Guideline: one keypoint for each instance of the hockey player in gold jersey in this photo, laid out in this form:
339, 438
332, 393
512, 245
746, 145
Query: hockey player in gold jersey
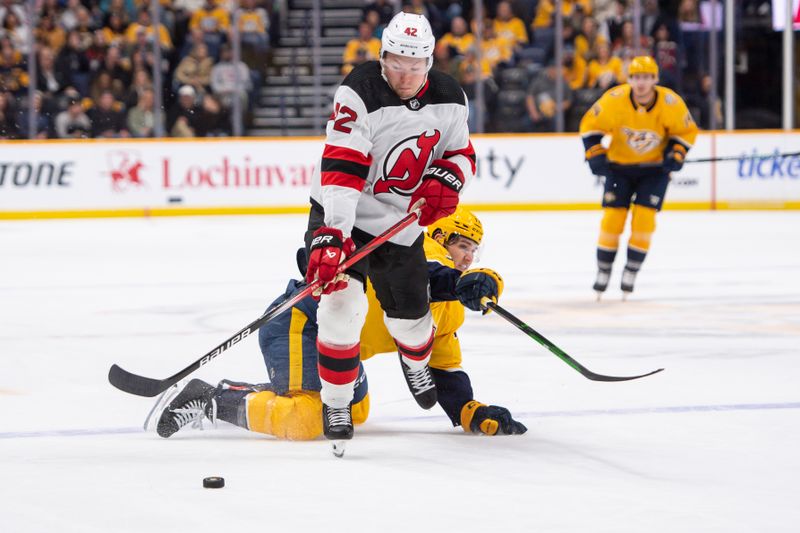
289, 406
651, 131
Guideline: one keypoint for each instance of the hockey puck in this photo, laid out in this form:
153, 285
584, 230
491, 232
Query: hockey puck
213, 482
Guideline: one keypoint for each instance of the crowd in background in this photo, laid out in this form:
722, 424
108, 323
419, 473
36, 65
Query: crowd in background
517, 64
95, 59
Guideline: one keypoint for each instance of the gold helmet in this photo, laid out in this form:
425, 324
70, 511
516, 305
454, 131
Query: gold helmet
643, 65
461, 223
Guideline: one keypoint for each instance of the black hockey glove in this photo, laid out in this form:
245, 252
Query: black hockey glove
674, 158
598, 161
485, 419
475, 285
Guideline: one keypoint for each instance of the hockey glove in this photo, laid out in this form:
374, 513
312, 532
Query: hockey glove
598, 162
674, 158
440, 186
475, 285
485, 419
328, 249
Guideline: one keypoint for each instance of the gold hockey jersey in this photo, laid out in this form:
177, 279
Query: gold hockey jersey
448, 317
639, 134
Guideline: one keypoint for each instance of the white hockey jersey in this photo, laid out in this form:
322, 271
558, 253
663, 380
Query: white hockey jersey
378, 147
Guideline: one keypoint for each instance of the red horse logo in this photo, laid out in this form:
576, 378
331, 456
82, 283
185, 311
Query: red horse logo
124, 172
405, 163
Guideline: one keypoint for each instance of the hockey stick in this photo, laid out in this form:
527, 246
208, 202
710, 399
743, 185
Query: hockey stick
538, 337
144, 386
741, 157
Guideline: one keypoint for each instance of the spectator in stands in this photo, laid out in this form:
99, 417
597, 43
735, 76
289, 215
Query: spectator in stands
614, 22
141, 82
667, 54
445, 60
575, 69
183, 117
84, 28
118, 68
605, 71
144, 26
125, 9
360, 49
212, 121
48, 79
73, 65
699, 100
213, 20
8, 117
195, 69
141, 118
13, 69
541, 99
469, 71
253, 27
44, 118
626, 46
11, 6
384, 8
16, 31
73, 122
509, 27
602, 10
50, 34
69, 16
458, 37
108, 119
545, 11
114, 30
497, 51
224, 82
587, 40
374, 20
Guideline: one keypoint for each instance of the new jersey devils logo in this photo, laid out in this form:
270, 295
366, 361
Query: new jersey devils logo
124, 170
405, 163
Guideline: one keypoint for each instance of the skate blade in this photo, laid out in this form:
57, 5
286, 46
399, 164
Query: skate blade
163, 401
338, 447
599, 295
625, 295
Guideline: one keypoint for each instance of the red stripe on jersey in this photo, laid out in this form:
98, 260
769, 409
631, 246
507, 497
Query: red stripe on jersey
348, 154
468, 152
424, 89
342, 179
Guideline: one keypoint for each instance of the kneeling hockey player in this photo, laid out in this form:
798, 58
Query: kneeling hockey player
289, 406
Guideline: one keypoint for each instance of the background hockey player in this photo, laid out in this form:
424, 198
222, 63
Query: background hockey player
289, 406
397, 135
651, 131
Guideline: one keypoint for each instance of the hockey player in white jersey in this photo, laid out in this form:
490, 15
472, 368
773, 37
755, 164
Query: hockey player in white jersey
398, 134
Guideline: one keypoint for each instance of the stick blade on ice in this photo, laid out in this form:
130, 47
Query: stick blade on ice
133, 384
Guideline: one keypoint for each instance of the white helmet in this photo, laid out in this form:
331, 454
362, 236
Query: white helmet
409, 35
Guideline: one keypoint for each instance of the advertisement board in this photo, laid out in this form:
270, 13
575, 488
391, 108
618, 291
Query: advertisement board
120, 178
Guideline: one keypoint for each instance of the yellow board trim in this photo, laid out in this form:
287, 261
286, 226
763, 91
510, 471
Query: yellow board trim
296, 349
291, 210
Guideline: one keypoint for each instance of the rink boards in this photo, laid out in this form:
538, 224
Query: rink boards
88, 178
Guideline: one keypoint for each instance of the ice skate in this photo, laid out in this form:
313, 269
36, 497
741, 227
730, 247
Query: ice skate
337, 426
191, 405
421, 384
628, 280
601, 282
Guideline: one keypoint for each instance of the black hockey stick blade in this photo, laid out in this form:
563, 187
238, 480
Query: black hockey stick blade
541, 339
138, 385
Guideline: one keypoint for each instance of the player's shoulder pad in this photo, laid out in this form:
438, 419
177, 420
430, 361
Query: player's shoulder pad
617, 91
444, 89
670, 97
368, 84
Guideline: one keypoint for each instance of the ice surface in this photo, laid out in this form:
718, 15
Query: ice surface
709, 445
